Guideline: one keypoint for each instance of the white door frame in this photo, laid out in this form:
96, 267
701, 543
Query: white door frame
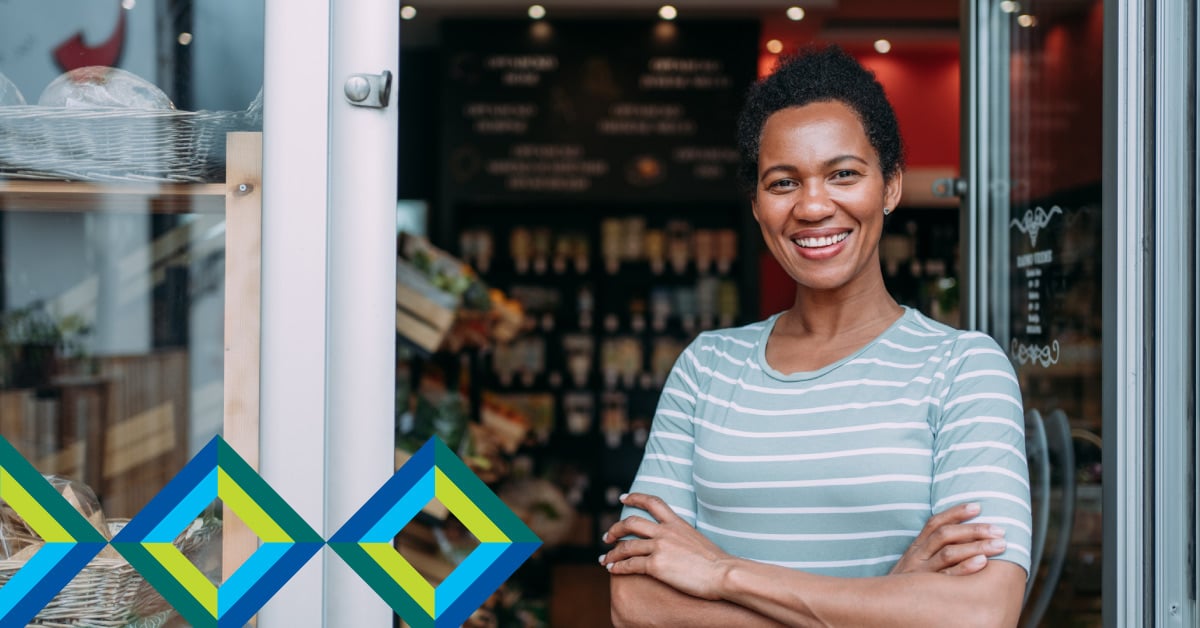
328, 259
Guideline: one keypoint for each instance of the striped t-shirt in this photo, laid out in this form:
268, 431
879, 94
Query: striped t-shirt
836, 471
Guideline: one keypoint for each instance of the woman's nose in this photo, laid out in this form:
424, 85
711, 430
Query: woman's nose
813, 205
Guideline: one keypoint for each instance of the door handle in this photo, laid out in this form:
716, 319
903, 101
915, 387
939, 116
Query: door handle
369, 90
949, 187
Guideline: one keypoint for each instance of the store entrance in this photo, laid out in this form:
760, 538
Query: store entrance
1032, 241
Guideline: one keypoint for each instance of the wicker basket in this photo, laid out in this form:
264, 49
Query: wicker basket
108, 592
118, 145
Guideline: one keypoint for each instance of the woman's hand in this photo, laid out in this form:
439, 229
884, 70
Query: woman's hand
949, 546
668, 549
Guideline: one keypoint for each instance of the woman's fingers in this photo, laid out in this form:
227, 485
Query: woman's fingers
950, 516
632, 565
951, 557
632, 525
967, 567
651, 504
949, 546
627, 549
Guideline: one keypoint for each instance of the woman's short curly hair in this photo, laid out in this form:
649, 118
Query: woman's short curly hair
818, 75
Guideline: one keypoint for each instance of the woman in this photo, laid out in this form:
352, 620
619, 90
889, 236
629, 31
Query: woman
794, 461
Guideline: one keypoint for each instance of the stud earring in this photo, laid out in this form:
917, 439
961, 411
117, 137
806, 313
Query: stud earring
887, 210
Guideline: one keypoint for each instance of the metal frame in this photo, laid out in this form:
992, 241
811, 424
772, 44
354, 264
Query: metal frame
361, 348
1173, 362
983, 218
1126, 279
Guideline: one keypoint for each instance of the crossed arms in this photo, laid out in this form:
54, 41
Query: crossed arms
671, 575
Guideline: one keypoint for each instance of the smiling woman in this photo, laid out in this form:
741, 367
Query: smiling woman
847, 461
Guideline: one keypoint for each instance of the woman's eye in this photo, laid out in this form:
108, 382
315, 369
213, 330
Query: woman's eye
781, 184
843, 174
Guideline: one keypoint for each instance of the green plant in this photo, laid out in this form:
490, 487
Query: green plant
32, 339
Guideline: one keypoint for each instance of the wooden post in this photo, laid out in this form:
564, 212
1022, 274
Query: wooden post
243, 262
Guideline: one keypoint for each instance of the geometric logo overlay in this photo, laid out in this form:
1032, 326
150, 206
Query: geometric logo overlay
365, 541
217, 472
70, 541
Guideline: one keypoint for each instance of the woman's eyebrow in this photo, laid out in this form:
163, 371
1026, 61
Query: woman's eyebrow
778, 167
828, 163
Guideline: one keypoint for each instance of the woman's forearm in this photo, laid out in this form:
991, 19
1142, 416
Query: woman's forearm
990, 598
644, 601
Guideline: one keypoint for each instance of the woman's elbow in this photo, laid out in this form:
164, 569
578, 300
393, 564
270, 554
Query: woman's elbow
622, 609
619, 605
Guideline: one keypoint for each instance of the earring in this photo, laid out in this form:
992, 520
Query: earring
886, 211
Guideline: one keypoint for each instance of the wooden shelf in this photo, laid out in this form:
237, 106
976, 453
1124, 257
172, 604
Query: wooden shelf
72, 196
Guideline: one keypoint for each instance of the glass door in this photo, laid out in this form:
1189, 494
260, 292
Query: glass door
197, 219
1033, 117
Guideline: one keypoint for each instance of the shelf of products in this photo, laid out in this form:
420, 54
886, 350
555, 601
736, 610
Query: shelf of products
611, 298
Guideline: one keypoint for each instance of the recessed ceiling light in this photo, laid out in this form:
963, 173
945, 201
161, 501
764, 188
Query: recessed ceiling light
1026, 20
1009, 6
537, 11
408, 12
774, 46
795, 14
883, 46
667, 12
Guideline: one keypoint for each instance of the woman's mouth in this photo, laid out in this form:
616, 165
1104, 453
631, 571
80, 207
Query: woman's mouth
821, 241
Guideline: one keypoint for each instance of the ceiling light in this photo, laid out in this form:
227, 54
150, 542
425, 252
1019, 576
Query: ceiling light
1026, 20
774, 46
537, 11
883, 46
1009, 6
408, 12
795, 14
667, 12
184, 39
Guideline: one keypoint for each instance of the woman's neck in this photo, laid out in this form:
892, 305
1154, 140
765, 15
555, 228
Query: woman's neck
814, 313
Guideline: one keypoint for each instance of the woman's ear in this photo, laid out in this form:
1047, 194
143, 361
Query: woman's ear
892, 190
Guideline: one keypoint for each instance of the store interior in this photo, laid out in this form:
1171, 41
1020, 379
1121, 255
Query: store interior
578, 160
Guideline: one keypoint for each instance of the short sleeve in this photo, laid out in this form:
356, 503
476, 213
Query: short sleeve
666, 468
979, 443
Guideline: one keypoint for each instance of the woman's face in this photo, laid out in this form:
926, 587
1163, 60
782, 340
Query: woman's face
820, 196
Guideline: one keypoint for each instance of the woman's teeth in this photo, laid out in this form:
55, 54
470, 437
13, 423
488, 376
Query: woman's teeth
811, 243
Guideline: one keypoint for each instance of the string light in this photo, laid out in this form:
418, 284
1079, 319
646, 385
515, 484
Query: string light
408, 12
883, 46
185, 39
537, 11
1026, 20
774, 46
1009, 6
795, 14
668, 12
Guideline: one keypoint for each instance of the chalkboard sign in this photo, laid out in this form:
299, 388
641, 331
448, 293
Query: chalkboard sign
602, 111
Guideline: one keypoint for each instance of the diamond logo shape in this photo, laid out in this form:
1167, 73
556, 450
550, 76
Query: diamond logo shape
70, 541
365, 541
217, 472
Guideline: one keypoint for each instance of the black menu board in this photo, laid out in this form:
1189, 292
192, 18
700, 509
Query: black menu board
602, 111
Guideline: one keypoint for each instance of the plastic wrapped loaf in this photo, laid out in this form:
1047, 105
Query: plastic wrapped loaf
18, 541
97, 86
